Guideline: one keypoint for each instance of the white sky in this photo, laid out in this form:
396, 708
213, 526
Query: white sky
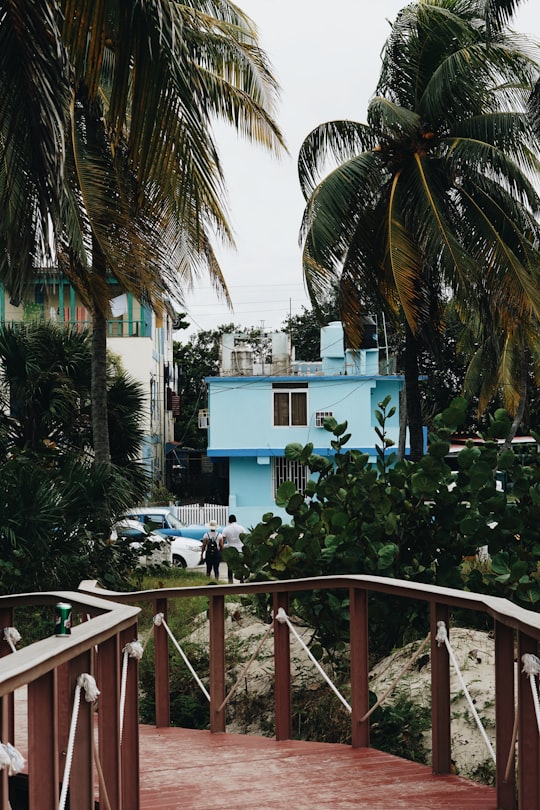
326, 57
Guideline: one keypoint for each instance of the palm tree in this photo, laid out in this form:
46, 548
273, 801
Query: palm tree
45, 398
149, 83
432, 195
34, 99
144, 190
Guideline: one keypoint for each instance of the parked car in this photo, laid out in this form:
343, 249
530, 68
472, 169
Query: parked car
162, 520
138, 535
157, 519
185, 546
184, 552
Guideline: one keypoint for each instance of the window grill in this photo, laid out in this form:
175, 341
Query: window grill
284, 469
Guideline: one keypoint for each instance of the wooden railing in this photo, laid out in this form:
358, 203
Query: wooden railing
50, 669
516, 632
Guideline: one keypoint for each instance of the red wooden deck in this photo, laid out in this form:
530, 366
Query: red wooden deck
183, 769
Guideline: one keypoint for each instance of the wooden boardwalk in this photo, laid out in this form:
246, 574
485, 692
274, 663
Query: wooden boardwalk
183, 769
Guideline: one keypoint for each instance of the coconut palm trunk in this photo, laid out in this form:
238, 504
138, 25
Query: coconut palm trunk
100, 420
413, 397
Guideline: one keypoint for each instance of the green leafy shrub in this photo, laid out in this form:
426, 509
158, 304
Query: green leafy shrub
414, 520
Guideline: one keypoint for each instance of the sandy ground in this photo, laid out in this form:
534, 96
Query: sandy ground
474, 653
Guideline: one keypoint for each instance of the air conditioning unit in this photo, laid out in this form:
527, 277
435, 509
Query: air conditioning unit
204, 422
320, 416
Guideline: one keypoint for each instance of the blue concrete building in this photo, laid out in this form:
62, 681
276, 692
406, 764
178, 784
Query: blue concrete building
254, 411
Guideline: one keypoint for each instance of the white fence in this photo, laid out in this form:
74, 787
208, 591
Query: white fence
195, 513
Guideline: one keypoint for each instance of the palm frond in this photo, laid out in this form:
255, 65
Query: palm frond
392, 120
330, 144
34, 95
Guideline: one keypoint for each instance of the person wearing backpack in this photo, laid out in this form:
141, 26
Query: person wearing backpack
211, 549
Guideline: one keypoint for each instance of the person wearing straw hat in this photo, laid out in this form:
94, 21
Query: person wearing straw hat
211, 549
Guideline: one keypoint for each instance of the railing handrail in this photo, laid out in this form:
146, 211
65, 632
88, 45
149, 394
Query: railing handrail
516, 632
504, 611
51, 669
31, 662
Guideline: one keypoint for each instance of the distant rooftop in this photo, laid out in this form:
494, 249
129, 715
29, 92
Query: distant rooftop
237, 359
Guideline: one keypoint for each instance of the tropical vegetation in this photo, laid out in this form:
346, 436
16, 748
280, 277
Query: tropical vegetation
433, 196
115, 169
56, 504
415, 521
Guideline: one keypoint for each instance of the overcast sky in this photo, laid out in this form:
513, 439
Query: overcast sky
326, 57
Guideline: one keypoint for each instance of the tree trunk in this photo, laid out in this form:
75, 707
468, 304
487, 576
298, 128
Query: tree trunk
518, 418
402, 442
100, 415
412, 392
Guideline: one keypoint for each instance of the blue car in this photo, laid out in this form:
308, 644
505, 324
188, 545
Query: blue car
160, 519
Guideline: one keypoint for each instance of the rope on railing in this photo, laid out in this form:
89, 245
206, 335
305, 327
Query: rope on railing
247, 666
159, 619
442, 638
282, 617
512, 751
87, 683
11, 759
12, 636
531, 667
134, 650
396, 680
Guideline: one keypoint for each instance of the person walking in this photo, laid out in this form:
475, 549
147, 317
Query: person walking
211, 549
232, 539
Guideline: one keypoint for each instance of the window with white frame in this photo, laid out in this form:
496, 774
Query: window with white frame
290, 404
283, 469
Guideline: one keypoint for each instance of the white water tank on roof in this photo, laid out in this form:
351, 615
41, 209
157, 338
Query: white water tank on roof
242, 361
332, 340
281, 360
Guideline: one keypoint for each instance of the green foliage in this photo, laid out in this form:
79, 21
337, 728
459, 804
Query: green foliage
56, 504
52, 532
189, 707
160, 496
398, 728
413, 520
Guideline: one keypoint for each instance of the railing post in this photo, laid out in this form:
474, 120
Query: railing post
441, 760
109, 668
7, 710
282, 670
217, 663
528, 739
161, 669
8, 703
5, 713
64, 702
81, 782
129, 752
43, 775
504, 714
359, 666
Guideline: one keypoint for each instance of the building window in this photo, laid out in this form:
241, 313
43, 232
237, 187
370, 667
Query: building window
290, 404
283, 469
